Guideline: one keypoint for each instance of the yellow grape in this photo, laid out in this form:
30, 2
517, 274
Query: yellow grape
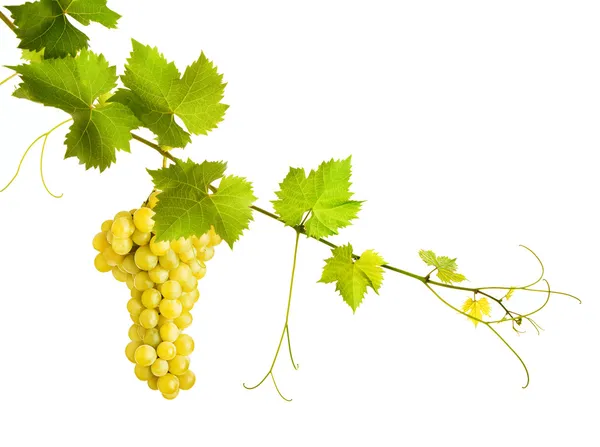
132, 211
153, 383
123, 227
202, 241
129, 282
135, 306
142, 219
169, 260
181, 273
170, 309
166, 350
159, 248
142, 372
194, 266
129, 265
171, 396
200, 273
158, 274
130, 350
196, 294
190, 284
109, 237
179, 364
119, 274
160, 367
187, 301
149, 318
153, 199
184, 344
215, 239
141, 238
106, 225
187, 256
101, 265
187, 380
152, 337
126, 214
142, 281
122, 246
135, 318
151, 298
206, 254
145, 259
169, 331
171, 290
168, 384
111, 257
99, 242
145, 355
136, 332
182, 321
162, 320
181, 245
135, 293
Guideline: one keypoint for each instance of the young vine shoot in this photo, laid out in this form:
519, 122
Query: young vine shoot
159, 250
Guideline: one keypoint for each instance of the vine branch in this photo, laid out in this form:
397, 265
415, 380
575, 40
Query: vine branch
8, 22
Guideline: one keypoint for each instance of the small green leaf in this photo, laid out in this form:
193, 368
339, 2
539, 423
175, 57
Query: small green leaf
75, 85
158, 93
45, 25
188, 207
445, 267
325, 194
353, 277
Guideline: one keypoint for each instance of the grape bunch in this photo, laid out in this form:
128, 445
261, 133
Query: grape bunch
163, 279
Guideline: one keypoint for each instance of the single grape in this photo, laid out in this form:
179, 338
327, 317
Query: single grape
195, 266
196, 294
166, 350
179, 364
206, 254
135, 318
171, 290
142, 372
171, 396
153, 199
215, 239
109, 237
136, 332
145, 355
141, 238
168, 384
190, 285
152, 337
100, 263
202, 241
119, 274
160, 367
159, 248
99, 242
187, 256
111, 257
129, 265
142, 281
130, 350
129, 282
187, 380
169, 331
142, 219
123, 214
182, 321
106, 225
135, 293
151, 298
149, 318
181, 273
122, 246
181, 245
158, 274
184, 344
135, 306
153, 383
169, 260
123, 227
187, 301
170, 309
145, 259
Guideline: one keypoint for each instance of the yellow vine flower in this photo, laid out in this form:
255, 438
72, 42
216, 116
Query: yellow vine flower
477, 309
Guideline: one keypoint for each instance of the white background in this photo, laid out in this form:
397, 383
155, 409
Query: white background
473, 127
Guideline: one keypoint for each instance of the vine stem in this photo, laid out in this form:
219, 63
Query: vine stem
8, 79
284, 332
8, 22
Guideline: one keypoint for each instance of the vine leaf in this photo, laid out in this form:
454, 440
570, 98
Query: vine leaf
187, 206
158, 93
477, 309
353, 277
445, 267
74, 85
44, 24
325, 193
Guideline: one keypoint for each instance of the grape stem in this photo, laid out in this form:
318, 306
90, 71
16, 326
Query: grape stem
8, 79
8, 22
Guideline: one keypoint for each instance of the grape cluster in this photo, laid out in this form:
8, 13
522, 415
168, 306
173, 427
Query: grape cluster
163, 279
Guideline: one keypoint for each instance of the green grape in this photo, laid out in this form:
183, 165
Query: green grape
142, 281
153, 383
215, 239
149, 318
135, 293
190, 285
123, 227
160, 367
206, 254
181, 273
122, 246
99, 242
171, 396
136, 332
187, 256
135, 306
111, 257
130, 350
181, 245
158, 274
184, 344
169, 260
169, 331
153, 199
142, 219
129, 265
171, 309
106, 225
101, 265
145, 355
166, 350
129, 282
159, 248
119, 275
187, 380
187, 301
145, 259
152, 337
151, 298
179, 364
141, 238
142, 372
202, 241
171, 290
182, 321
168, 384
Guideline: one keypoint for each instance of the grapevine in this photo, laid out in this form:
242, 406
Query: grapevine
159, 250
